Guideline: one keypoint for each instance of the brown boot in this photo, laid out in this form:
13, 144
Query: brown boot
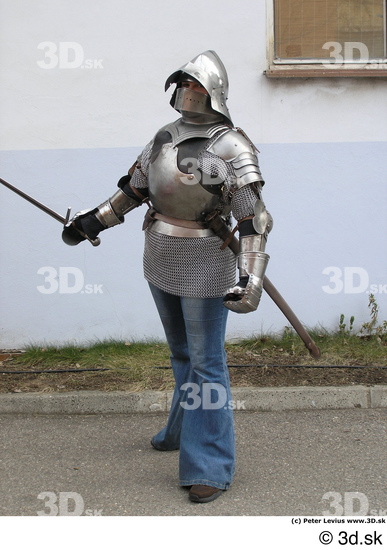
203, 493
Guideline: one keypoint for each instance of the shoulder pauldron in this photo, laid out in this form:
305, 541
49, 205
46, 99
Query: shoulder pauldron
232, 146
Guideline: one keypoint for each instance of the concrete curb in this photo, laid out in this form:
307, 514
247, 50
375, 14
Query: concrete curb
246, 398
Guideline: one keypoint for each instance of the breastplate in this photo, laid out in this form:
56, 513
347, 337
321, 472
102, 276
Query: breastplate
176, 194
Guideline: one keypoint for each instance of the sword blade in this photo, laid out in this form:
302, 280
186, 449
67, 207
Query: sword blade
36, 203
271, 290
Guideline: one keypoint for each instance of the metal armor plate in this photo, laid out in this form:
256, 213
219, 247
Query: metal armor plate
175, 194
233, 147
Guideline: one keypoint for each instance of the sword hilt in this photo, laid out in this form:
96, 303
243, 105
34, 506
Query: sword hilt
94, 242
67, 216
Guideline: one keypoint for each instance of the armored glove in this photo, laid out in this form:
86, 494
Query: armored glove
87, 224
246, 294
82, 226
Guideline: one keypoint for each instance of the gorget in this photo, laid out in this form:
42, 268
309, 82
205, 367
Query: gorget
181, 130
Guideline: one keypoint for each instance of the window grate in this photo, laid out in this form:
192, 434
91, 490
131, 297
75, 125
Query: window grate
303, 27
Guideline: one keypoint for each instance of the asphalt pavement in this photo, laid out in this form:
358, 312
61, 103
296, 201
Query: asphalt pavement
289, 462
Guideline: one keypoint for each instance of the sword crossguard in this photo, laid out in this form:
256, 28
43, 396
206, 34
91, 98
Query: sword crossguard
67, 216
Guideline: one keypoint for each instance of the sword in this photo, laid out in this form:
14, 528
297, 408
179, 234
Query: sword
216, 223
219, 227
47, 210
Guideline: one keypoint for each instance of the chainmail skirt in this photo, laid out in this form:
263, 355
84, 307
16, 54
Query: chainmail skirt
193, 267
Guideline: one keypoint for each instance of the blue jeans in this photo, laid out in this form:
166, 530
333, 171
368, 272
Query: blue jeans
200, 422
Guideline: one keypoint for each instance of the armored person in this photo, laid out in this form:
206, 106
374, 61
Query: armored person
196, 169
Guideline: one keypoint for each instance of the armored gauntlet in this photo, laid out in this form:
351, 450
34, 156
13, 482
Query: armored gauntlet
246, 294
252, 262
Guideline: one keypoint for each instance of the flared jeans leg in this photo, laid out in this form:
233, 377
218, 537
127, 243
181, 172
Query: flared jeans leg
200, 422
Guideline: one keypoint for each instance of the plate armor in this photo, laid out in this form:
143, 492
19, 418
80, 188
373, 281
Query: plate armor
177, 188
191, 171
196, 166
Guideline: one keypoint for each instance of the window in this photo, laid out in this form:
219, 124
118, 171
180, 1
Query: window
327, 38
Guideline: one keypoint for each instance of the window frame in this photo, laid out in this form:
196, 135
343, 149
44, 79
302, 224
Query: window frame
318, 68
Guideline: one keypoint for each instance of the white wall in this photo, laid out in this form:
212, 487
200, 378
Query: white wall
68, 134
